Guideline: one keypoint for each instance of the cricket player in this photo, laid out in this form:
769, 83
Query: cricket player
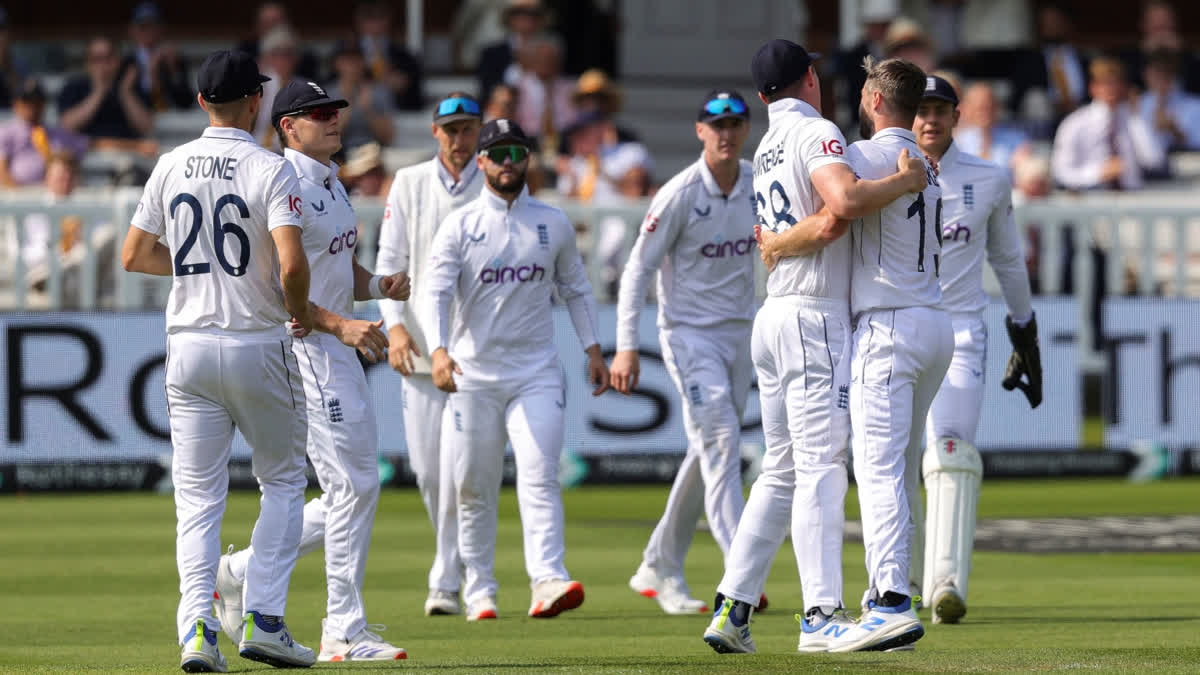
977, 222
700, 229
801, 350
420, 199
901, 349
230, 212
342, 439
500, 258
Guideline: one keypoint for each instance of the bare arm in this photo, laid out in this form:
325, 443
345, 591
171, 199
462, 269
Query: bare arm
77, 117
138, 114
141, 252
811, 234
6, 178
848, 198
293, 273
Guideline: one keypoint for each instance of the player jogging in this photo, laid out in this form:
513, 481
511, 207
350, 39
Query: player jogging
800, 348
700, 229
230, 212
500, 258
342, 439
901, 348
977, 221
420, 198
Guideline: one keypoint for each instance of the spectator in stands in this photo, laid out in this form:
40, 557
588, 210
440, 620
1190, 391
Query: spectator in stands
105, 104
364, 173
501, 104
1159, 33
1055, 73
875, 17
162, 77
594, 90
280, 55
590, 30
1174, 114
369, 118
1032, 182
980, 135
906, 39
523, 19
269, 16
390, 63
1105, 144
12, 71
544, 94
27, 143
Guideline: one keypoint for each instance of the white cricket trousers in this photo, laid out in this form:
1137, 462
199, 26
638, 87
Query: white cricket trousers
711, 369
215, 382
528, 414
801, 352
953, 414
424, 405
899, 359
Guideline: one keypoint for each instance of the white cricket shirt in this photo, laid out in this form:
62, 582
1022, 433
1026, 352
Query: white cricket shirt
420, 199
216, 199
895, 252
330, 233
798, 142
977, 221
702, 244
501, 265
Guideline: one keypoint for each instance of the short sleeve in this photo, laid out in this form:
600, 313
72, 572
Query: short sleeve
283, 198
822, 144
149, 214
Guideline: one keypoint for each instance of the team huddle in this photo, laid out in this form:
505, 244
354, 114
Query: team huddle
872, 331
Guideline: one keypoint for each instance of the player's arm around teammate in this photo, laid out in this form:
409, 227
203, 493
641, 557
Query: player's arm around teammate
499, 258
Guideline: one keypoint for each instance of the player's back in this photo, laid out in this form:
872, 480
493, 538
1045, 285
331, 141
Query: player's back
218, 198
797, 143
895, 252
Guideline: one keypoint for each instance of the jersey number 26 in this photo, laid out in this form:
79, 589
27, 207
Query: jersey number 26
219, 229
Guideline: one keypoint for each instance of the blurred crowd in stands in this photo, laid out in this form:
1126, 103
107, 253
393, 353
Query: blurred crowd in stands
1058, 114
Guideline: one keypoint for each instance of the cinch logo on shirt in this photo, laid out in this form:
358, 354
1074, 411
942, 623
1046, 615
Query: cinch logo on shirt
952, 232
499, 273
343, 242
727, 249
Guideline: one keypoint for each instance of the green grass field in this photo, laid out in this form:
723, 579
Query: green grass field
90, 585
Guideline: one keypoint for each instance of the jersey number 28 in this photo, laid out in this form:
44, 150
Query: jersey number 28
780, 207
918, 207
220, 229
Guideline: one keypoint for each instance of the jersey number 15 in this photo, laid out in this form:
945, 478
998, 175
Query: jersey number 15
220, 230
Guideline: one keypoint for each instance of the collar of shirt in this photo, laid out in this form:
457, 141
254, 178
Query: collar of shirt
790, 105
455, 186
710, 181
228, 133
949, 158
497, 203
898, 132
307, 167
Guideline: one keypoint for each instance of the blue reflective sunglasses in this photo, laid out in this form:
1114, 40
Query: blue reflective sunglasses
458, 105
720, 106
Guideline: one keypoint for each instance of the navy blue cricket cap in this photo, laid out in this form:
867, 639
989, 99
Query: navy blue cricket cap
502, 132
720, 104
779, 63
227, 76
456, 107
297, 96
939, 88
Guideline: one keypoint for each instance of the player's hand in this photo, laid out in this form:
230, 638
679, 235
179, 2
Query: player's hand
1111, 170
625, 371
303, 321
1024, 369
401, 350
444, 369
396, 286
365, 336
766, 246
913, 170
597, 370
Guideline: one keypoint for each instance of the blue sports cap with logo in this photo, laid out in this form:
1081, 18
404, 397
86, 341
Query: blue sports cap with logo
720, 104
939, 88
228, 75
779, 63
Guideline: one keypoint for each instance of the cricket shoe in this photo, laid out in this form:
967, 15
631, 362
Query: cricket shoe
200, 653
441, 603
551, 598
266, 639
366, 646
482, 609
882, 628
948, 604
227, 600
671, 592
729, 630
818, 630
914, 592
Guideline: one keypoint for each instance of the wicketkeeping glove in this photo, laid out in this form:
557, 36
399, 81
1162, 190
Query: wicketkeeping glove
1026, 360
